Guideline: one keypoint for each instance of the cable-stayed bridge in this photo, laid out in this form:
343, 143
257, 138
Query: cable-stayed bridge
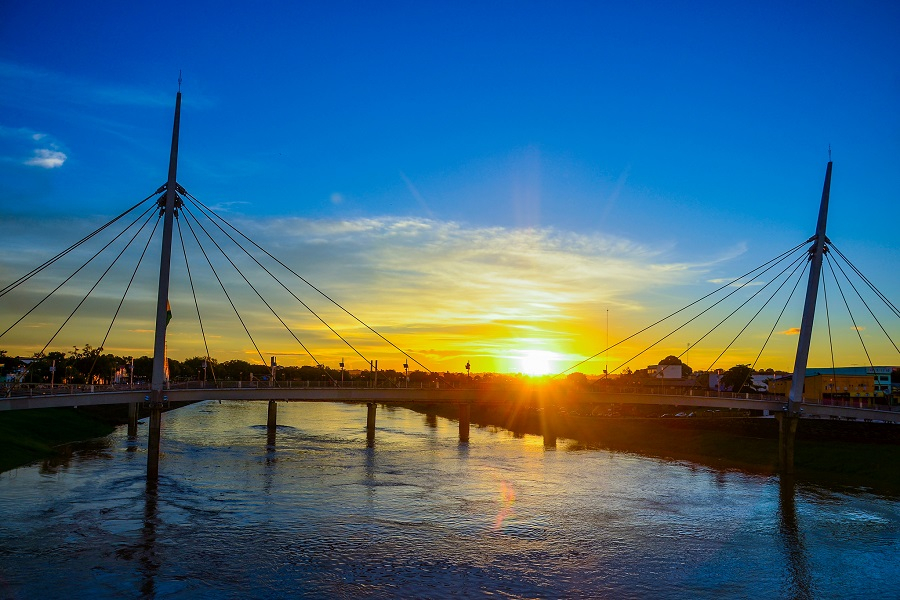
171, 205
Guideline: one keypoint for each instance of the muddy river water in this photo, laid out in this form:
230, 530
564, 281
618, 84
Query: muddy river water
314, 513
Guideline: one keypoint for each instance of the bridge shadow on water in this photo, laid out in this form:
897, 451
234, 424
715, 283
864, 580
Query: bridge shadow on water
834, 455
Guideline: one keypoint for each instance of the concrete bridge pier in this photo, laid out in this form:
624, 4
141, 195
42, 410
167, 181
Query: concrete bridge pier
132, 419
272, 417
549, 425
549, 432
465, 413
370, 424
787, 433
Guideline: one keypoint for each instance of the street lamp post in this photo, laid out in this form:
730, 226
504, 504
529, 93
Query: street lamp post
272, 377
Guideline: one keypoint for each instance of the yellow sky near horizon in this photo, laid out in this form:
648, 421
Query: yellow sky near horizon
504, 300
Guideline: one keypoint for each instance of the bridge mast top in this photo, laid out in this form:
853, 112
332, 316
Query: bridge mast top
168, 209
816, 252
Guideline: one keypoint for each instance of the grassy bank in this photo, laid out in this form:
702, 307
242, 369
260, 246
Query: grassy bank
30, 435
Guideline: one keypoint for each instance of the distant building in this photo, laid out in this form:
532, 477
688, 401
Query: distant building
840, 383
662, 371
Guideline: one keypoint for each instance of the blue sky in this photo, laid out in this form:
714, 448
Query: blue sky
611, 139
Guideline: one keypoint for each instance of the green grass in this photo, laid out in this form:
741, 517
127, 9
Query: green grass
30, 435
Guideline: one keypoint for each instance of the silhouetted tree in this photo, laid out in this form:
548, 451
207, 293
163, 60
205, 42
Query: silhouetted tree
738, 379
577, 379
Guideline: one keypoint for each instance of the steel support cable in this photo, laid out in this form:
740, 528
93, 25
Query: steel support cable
884, 298
301, 278
287, 289
222, 285
108, 244
781, 314
798, 262
194, 293
828, 322
50, 261
93, 287
777, 259
866, 304
707, 309
203, 206
252, 287
852, 318
122, 301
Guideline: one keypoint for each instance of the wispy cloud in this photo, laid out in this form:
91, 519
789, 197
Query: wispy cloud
78, 90
415, 194
443, 290
47, 159
735, 282
430, 284
28, 147
422, 272
791, 331
226, 207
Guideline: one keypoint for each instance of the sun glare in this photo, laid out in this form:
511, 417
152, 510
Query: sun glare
537, 362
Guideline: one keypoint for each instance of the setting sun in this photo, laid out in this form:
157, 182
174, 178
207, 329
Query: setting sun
537, 362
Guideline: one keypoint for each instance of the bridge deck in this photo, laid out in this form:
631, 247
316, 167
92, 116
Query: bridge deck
445, 396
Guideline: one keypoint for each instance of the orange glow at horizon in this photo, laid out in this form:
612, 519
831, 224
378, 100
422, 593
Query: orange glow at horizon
527, 301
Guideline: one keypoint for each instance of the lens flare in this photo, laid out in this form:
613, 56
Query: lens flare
507, 500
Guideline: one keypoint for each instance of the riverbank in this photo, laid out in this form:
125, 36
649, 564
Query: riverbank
27, 436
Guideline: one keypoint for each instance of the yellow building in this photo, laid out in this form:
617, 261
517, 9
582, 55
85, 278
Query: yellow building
845, 383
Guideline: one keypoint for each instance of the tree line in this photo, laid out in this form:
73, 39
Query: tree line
90, 365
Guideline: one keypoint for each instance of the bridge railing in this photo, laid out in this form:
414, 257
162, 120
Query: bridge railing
689, 392
44, 389
259, 384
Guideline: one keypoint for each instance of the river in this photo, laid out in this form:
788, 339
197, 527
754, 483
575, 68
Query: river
315, 513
